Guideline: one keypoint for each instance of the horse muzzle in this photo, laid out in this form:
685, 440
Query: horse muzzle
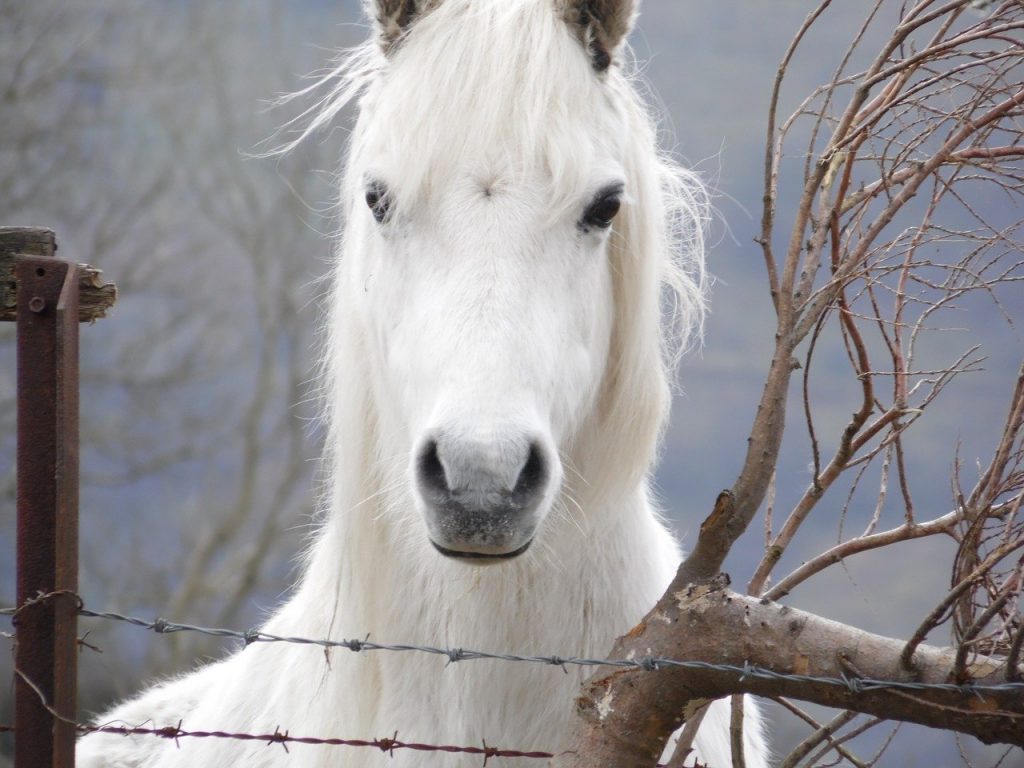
483, 499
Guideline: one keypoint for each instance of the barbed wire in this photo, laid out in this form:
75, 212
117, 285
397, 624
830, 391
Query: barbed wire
854, 684
284, 738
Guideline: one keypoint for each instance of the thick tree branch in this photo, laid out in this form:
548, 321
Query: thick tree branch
627, 715
735, 508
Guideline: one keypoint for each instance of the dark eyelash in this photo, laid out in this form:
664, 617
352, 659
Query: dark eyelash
603, 209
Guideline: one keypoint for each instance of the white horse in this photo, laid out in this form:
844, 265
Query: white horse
497, 371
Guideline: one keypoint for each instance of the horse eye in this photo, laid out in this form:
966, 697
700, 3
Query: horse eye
378, 199
604, 208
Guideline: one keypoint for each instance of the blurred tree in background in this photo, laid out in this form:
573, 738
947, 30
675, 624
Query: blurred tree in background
130, 133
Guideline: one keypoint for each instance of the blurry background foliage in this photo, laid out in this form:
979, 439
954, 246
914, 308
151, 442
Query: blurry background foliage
128, 127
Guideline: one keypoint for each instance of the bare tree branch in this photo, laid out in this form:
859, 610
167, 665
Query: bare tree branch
936, 114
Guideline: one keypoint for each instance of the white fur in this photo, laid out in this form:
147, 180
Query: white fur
489, 315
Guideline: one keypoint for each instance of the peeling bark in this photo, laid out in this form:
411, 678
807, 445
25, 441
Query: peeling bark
627, 715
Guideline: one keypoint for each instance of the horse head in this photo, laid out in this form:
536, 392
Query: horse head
490, 191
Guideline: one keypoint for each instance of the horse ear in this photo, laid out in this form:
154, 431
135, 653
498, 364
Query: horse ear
393, 17
602, 26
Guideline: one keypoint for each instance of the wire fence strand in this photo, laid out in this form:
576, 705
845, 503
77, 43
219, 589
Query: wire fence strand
284, 738
853, 684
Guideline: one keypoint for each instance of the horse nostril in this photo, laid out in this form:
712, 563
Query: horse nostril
431, 472
533, 475
491, 476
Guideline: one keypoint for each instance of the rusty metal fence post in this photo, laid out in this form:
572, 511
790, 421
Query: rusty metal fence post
45, 293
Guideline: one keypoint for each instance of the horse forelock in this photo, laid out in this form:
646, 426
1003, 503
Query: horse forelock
503, 86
